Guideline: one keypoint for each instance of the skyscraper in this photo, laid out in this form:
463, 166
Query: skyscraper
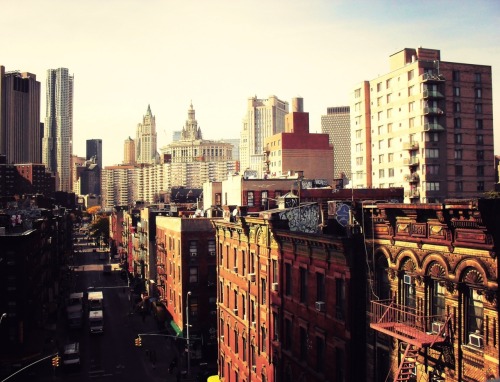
20, 135
336, 123
94, 150
58, 134
264, 118
426, 125
145, 142
129, 151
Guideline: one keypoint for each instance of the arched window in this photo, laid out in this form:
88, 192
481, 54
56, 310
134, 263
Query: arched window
382, 284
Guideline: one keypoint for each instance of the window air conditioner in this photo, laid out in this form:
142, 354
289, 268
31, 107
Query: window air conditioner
254, 324
235, 269
274, 287
476, 340
222, 337
251, 277
320, 306
235, 311
407, 279
437, 326
254, 368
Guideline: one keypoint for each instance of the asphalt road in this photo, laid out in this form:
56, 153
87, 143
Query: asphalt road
112, 355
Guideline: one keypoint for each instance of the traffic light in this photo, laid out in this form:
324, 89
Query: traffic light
138, 342
55, 361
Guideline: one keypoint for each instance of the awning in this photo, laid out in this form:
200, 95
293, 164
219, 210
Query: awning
178, 330
213, 378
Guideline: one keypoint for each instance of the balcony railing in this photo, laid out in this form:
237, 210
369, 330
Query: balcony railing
410, 146
432, 77
407, 324
412, 194
433, 127
433, 110
411, 161
412, 178
432, 94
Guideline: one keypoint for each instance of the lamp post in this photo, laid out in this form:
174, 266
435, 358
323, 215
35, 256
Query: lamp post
187, 333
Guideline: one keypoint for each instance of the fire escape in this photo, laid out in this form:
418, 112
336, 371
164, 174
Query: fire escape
415, 330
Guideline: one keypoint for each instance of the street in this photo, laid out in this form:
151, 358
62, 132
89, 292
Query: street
111, 355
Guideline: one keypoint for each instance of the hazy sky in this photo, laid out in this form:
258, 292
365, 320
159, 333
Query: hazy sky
128, 54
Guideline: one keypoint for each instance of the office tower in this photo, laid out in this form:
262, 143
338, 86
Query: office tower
20, 136
337, 124
129, 151
58, 134
264, 118
297, 150
145, 142
94, 150
426, 125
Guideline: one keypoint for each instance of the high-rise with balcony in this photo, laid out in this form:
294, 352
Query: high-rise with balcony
426, 125
57, 144
20, 133
264, 118
145, 142
337, 124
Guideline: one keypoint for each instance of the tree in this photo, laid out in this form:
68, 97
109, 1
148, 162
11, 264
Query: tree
94, 210
100, 227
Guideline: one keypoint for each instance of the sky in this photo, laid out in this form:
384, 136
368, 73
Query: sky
128, 54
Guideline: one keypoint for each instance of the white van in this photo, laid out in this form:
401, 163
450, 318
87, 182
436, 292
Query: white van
96, 321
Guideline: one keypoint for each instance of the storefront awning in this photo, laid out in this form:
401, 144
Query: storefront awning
213, 378
178, 330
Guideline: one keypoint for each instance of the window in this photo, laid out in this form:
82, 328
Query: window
480, 186
479, 139
288, 279
389, 142
390, 157
379, 116
339, 298
474, 311
303, 285
411, 106
244, 345
263, 338
458, 154
437, 298
381, 144
409, 297
431, 137
193, 248
478, 92
320, 286
459, 186
411, 75
480, 170
458, 139
274, 275
263, 291
389, 113
432, 186
457, 123
320, 354
288, 334
381, 158
456, 75
380, 130
477, 78
381, 173
379, 87
456, 91
357, 93
388, 83
480, 154
358, 133
359, 161
250, 198
391, 173
359, 147
379, 101
478, 108
432, 153
211, 247
303, 343
389, 98
389, 127
456, 107
458, 170
193, 275
264, 198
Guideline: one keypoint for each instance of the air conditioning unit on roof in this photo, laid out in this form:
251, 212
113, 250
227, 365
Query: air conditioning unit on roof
320, 306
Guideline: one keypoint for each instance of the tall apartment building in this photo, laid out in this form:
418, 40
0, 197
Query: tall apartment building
20, 134
145, 142
427, 125
296, 149
129, 151
337, 124
57, 141
94, 154
264, 118
118, 186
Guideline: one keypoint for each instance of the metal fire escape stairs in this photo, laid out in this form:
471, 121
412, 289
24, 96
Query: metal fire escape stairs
415, 330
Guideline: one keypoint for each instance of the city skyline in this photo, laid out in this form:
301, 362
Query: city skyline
218, 54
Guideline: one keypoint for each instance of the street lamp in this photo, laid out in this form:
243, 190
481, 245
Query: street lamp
187, 333
2, 317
